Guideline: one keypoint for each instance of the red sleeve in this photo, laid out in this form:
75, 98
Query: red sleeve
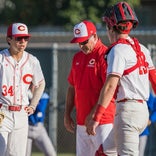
152, 78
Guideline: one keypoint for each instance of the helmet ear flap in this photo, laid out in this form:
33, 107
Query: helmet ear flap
124, 27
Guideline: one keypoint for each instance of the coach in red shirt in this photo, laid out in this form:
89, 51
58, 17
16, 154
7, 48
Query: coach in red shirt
86, 78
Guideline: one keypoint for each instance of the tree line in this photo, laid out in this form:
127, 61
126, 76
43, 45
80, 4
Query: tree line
54, 12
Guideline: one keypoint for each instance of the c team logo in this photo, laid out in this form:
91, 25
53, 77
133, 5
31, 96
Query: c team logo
21, 28
27, 78
92, 61
77, 31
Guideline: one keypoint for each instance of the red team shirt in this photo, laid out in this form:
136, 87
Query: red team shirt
87, 75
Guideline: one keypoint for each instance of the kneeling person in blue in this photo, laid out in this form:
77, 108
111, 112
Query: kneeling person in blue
37, 131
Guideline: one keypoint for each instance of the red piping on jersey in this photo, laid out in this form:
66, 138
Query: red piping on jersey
6, 58
141, 60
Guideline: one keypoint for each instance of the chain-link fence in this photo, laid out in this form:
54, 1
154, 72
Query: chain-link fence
64, 141
42, 47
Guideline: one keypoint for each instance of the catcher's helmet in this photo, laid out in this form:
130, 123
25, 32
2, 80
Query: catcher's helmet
120, 12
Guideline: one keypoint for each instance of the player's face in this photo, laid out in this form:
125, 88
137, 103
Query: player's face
18, 44
88, 45
110, 34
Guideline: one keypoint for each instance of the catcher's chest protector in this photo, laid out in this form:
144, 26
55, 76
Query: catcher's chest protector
141, 60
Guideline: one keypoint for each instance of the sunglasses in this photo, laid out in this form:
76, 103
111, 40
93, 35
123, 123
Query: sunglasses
85, 42
26, 38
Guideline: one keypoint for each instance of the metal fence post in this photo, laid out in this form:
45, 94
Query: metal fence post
53, 96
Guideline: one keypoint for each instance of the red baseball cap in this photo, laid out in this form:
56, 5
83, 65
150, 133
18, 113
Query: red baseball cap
17, 30
83, 31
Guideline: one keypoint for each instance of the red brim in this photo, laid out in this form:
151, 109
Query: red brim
79, 40
20, 35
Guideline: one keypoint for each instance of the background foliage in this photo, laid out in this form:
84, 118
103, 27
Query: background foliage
54, 12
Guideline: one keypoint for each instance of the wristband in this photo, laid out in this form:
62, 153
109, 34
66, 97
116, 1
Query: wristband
99, 113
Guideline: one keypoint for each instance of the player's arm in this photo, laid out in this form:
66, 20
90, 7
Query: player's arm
152, 78
106, 96
37, 93
69, 105
108, 90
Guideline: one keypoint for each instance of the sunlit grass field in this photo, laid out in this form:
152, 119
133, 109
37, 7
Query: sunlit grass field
59, 154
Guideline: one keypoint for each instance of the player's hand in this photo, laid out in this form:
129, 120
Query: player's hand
149, 122
91, 127
69, 124
29, 110
88, 118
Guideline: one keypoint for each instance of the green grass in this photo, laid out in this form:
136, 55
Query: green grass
59, 154
67, 154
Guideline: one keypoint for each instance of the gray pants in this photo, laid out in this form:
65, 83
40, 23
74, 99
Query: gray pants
142, 144
39, 136
130, 120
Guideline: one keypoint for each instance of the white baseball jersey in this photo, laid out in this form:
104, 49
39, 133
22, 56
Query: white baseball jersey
14, 89
131, 86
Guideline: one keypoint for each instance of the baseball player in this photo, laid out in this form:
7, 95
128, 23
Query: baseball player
37, 132
18, 69
86, 78
129, 65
